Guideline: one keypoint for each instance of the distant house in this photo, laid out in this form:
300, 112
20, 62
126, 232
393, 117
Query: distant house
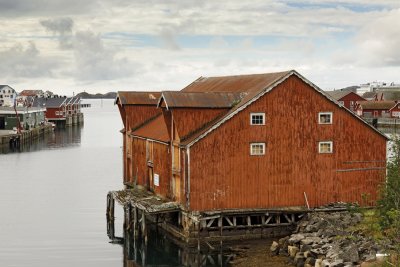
346, 98
25, 98
73, 105
28, 117
377, 109
61, 110
7, 96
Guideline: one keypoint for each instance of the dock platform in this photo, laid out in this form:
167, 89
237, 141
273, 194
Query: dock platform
142, 208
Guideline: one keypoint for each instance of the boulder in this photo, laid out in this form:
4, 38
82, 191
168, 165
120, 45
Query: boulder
293, 251
299, 258
318, 263
274, 248
349, 253
295, 239
310, 240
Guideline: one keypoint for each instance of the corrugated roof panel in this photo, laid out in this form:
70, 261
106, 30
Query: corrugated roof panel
138, 98
237, 83
201, 99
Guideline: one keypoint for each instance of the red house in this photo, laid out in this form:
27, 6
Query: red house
61, 110
346, 98
376, 109
237, 148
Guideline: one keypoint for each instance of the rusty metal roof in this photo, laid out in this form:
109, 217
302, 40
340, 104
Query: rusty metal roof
237, 83
155, 129
200, 99
138, 98
385, 105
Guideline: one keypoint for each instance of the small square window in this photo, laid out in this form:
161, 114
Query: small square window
257, 149
325, 147
257, 119
325, 118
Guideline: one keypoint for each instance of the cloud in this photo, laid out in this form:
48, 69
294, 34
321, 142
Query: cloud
25, 62
96, 62
62, 28
168, 38
379, 40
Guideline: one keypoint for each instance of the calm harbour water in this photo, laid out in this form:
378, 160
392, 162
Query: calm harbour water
53, 195
53, 201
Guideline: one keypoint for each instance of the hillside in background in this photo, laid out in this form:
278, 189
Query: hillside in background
85, 95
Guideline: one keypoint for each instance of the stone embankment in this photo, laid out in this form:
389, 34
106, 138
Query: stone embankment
326, 239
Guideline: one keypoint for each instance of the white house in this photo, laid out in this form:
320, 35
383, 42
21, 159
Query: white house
7, 96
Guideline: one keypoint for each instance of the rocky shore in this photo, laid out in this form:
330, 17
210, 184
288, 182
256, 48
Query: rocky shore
327, 239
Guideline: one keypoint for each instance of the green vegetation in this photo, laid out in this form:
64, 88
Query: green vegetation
388, 209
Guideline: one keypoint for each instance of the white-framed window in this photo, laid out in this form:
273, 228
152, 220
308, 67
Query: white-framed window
257, 118
257, 149
57, 113
325, 147
325, 118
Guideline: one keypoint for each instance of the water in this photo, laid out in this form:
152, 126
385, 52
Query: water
52, 196
53, 201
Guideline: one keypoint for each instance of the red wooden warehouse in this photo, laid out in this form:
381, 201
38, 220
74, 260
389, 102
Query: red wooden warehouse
244, 151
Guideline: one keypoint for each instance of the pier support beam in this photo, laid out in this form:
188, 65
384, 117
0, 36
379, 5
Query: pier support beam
110, 216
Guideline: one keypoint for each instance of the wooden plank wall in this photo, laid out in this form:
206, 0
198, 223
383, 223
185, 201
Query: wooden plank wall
188, 120
138, 114
134, 116
224, 175
160, 156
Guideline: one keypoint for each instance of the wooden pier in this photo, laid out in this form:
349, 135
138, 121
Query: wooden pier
142, 208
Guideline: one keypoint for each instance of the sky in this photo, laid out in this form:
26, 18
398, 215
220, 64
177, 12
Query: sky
142, 45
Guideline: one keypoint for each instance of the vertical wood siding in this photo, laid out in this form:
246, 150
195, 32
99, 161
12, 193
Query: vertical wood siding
138, 114
188, 120
134, 116
161, 165
224, 175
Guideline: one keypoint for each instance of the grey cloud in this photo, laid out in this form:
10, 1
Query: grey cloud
379, 41
25, 62
95, 62
16, 8
168, 38
62, 28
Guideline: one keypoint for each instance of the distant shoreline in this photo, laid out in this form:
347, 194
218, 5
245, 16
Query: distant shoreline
110, 95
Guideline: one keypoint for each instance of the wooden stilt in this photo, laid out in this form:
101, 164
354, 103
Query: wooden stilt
144, 226
135, 222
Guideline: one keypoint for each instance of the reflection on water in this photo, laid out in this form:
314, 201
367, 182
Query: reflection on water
52, 196
162, 250
59, 138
